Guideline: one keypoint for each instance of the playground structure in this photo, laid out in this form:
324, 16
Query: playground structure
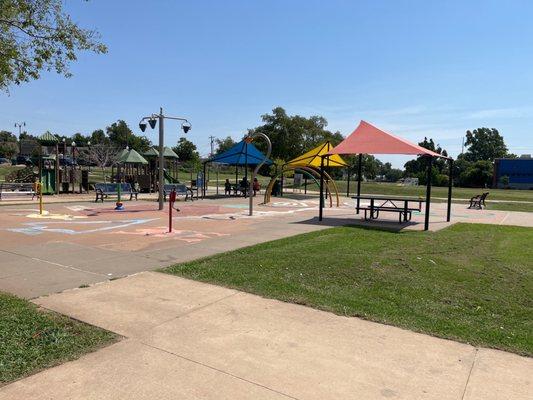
142, 170
308, 164
54, 177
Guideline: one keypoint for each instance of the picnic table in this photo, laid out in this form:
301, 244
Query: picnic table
404, 206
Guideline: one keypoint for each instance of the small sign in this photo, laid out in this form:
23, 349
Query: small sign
298, 180
200, 179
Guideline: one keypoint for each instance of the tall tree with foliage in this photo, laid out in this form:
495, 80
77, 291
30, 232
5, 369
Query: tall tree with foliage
37, 35
6, 136
224, 144
418, 168
484, 144
81, 140
99, 137
186, 151
121, 136
293, 135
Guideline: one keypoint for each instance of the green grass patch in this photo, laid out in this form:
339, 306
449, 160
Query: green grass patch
504, 206
470, 282
32, 339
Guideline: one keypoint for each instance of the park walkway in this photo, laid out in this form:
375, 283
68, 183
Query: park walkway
190, 340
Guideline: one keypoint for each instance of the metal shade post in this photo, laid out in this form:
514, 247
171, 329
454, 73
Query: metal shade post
359, 169
428, 193
321, 201
450, 186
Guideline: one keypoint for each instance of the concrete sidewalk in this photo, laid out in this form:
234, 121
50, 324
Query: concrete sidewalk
190, 340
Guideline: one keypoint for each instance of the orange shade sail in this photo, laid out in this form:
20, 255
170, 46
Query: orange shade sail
367, 139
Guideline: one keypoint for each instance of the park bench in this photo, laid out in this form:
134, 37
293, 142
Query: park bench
104, 190
180, 188
478, 201
17, 189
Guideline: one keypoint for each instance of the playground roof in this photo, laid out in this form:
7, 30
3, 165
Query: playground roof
240, 154
312, 158
151, 152
169, 153
48, 139
367, 139
132, 157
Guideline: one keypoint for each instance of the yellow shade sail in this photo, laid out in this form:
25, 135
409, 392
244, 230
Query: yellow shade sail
312, 158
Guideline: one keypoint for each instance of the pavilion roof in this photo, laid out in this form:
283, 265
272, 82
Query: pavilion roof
313, 158
367, 139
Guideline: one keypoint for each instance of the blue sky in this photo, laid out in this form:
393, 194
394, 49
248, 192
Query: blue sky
415, 68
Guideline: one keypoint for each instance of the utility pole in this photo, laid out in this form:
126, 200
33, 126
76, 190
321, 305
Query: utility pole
212, 139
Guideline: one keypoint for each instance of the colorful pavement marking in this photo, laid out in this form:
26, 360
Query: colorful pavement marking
37, 228
188, 236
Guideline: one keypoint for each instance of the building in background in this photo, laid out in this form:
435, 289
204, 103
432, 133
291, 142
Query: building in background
513, 173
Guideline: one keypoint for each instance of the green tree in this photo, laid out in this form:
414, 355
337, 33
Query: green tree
390, 174
121, 135
37, 35
224, 144
98, 137
6, 136
370, 166
292, 136
27, 136
477, 174
80, 140
186, 150
484, 144
7, 149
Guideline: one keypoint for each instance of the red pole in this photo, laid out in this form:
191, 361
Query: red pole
169, 214
171, 200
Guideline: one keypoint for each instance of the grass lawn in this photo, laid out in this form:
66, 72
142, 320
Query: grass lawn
32, 339
471, 283
525, 207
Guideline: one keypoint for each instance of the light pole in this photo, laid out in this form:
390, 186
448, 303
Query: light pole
249, 139
152, 120
20, 125
89, 158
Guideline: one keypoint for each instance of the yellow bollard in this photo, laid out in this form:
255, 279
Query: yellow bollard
40, 187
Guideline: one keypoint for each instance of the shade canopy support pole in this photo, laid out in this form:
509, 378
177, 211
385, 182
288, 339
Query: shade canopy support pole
359, 173
321, 201
450, 186
348, 183
204, 181
428, 193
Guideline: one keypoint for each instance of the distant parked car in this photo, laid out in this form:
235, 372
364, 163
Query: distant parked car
4, 161
24, 160
67, 161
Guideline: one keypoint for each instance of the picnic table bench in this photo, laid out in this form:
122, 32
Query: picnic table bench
180, 189
400, 205
17, 189
104, 190
478, 201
